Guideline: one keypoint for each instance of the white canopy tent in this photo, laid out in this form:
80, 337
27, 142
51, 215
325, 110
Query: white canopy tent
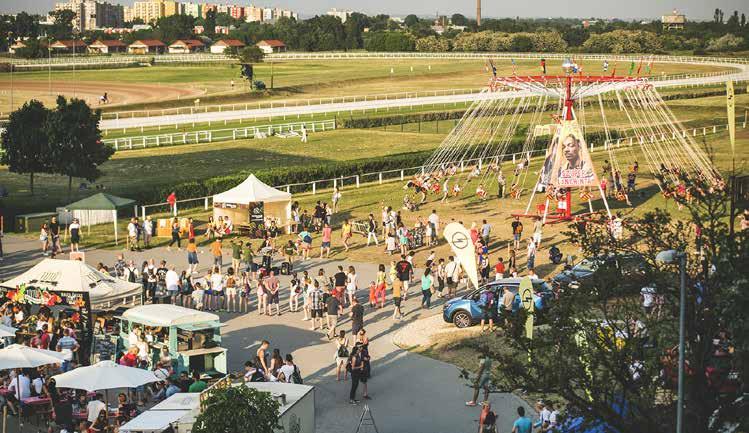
238, 202
153, 421
167, 315
55, 275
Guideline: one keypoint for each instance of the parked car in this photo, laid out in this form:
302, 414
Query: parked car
465, 310
585, 271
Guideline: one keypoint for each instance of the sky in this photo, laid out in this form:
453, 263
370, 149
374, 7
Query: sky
624, 9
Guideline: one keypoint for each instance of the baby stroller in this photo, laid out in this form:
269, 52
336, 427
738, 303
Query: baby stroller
555, 256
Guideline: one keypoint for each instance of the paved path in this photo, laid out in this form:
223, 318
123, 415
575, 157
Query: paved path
410, 393
178, 119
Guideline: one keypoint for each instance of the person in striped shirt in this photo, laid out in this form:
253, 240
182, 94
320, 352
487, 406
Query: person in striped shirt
316, 304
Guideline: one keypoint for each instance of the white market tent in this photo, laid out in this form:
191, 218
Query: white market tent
75, 276
237, 202
167, 315
153, 421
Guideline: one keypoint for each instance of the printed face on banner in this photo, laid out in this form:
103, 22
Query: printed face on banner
551, 156
573, 166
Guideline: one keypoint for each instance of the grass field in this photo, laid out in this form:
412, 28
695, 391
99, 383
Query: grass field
136, 170
163, 85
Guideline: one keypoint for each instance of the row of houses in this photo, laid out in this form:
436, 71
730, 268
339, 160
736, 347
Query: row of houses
154, 46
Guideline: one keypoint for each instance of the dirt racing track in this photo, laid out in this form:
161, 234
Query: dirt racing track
119, 93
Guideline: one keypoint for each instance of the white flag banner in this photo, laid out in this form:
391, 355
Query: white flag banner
459, 239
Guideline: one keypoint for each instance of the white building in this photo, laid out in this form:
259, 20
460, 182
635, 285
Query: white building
267, 14
341, 15
92, 14
192, 9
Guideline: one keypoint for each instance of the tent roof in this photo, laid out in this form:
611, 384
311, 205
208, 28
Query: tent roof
153, 421
167, 315
75, 276
250, 191
101, 201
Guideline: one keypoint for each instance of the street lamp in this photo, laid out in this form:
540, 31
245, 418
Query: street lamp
671, 257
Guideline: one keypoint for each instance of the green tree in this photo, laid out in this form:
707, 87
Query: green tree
62, 27
432, 44
26, 26
176, 27
521, 43
72, 130
238, 409
250, 54
209, 23
24, 143
411, 20
601, 350
458, 20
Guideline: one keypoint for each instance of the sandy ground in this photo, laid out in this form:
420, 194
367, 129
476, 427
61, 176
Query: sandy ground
118, 93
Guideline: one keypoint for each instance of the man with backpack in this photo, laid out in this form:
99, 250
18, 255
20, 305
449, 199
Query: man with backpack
486, 302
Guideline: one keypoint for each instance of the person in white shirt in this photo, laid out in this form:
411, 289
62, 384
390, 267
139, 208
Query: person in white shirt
132, 234
452, 271
648, 298
434, 221
147, 231
20, 386
287, 370
171, 279
217, 289
95, 407
543, 416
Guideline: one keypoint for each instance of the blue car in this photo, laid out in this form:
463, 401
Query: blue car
465, 310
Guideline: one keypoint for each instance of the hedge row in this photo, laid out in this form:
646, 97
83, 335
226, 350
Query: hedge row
282, 176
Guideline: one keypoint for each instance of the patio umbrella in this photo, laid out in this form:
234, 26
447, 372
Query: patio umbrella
104, 375
7, 331
18, 356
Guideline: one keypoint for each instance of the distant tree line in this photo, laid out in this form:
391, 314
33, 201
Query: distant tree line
412, 33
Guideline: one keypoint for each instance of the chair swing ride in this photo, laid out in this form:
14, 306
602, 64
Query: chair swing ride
624, 112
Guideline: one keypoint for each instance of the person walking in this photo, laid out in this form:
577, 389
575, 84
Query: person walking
217, 253
351, 284
452, 272
487, 419
316, 304
327, 234
356, 368
427, 285
335, 199
357, 317
405, 271
381, 286
517, 231
483, 380
192, 256
346, 234
236, 253
531, 254
334, 307
372, 230
175, 236
341, 355
74, 229
272, 286
304, 134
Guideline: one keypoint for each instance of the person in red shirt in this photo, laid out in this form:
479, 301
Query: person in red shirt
499, 268
172, 200
190, 230
130, 359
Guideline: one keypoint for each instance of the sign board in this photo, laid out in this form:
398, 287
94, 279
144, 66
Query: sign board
256, 219
572, 164
526, 297
459, 239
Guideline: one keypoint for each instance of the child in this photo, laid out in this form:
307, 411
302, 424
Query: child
390, 245
294, 291
372, 294
197, 296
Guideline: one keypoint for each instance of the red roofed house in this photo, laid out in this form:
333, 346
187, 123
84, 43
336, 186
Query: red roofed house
186, 46
68, 46
221, 46
147, 46
271, 46
107, 46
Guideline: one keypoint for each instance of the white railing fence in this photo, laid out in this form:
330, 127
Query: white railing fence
210, 136
401, 174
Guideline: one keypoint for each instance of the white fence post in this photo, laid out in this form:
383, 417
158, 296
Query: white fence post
206, 203
380, 178
175, 208
314, 188
143, 212
401, 174
357, 181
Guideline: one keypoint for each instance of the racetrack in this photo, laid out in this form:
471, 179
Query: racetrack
742, 73
119, 93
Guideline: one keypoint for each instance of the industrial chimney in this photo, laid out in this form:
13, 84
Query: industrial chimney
478, 12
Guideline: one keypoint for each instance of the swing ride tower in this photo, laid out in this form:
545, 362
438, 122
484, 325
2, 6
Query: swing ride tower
545, 115
567, 87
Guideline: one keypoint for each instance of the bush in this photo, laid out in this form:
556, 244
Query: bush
259, 85
727, 42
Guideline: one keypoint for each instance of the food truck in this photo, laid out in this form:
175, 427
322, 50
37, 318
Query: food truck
191, 337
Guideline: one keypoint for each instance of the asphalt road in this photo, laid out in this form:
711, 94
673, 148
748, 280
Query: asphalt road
410, 393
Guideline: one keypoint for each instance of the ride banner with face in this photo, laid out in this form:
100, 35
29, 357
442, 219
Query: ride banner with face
572, 166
